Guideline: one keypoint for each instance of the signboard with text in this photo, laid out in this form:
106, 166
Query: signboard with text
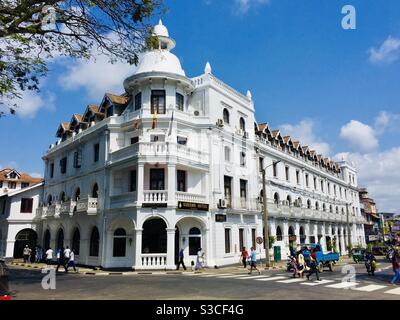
192, 206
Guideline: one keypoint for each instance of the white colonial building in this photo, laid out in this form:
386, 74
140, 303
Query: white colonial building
174, 163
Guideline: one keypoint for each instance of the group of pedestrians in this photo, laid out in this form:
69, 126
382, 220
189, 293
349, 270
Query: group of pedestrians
65, 258
200, 260
301, 265
249, 259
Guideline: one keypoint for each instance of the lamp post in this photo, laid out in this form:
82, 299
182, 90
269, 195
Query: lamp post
265, 214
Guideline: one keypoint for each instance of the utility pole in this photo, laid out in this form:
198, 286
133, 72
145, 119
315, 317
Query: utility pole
348, 225
265, 214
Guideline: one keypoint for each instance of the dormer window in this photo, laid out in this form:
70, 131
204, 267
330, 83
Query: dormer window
179, 101
13, 175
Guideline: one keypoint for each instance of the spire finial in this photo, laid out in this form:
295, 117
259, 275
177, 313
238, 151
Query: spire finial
249, 96
160, 22
207, 68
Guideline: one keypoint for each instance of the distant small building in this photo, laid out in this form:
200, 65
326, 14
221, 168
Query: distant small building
373, 221
18, 226
11, 180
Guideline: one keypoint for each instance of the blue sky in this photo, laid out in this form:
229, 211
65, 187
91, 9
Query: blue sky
334, 89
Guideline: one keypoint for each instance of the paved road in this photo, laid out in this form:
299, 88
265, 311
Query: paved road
230, 283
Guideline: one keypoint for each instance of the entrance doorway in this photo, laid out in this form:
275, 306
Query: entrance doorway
23, 238
154, 239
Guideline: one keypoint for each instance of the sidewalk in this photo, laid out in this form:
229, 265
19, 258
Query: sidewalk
281, 265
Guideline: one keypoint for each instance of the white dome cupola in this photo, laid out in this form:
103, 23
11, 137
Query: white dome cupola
160, 59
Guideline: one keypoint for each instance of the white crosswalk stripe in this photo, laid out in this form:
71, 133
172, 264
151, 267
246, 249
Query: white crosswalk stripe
231, 276
369, 288
317, 283
342, 285
252, 277
293, 280
213, 275
271, 278
394, 291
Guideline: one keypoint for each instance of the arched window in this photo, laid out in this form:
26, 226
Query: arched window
278, 233
194, 241
276, 198
62, 196
261, 196
337, 210
95, 191
46, 239
76, 241
49, 199
119, 248
302, 236
342, 211
242, 124
299, 202
316, 205
309, 204
330, 209
324, 207
289, 200
60, 239
94, 243
77, 194
225, 115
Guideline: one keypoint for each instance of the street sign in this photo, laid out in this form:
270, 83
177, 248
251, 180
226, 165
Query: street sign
373, 237
259, 240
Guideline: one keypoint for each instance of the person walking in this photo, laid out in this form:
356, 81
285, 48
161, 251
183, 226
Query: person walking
49, 256
180, 260
301, 264
293, 264
39, 254
67, 254
253, 261
26, 253
313, 266
71, 261
200, 259
396, 267
61, 260
244, 255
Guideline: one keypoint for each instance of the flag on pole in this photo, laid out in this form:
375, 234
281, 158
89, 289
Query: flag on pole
154, 125
171, 124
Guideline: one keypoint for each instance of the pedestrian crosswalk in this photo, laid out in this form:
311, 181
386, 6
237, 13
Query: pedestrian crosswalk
335, 283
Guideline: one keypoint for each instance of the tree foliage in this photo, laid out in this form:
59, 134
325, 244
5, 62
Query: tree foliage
32, 32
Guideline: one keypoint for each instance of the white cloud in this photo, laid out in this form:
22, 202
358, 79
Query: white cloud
303, 132
359, 136
96, 76
243, 6
388, 52
36, 175
379, 172
31, 103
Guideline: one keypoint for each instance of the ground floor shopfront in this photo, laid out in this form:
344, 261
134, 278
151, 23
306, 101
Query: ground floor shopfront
150, 238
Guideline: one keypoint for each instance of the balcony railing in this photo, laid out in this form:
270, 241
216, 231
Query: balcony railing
53, 210
155, 196
160, 149
190, 197
88, 205
68, 207
153, 261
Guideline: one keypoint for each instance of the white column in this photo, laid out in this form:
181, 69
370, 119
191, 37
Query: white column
297, 232
323, 238
342, 241
285, 231
140, 183
138, 249
171, 185
171, 249
10, 248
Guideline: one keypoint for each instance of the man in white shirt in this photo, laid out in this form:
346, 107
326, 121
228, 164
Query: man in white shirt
67, 254
72, 261
49, 256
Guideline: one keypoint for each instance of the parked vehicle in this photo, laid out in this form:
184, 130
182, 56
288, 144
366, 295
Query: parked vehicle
358, 254
324, 260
